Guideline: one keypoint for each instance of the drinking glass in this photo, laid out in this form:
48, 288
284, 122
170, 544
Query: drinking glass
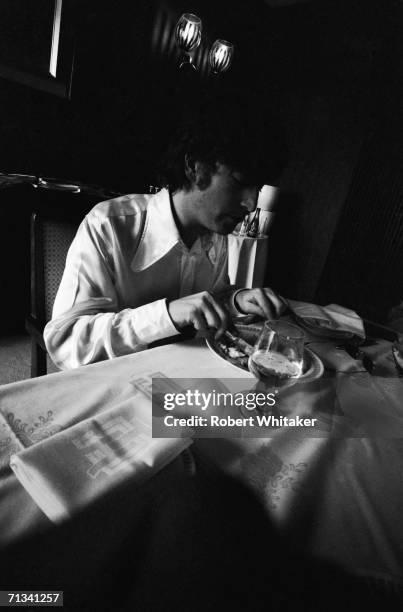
277, 356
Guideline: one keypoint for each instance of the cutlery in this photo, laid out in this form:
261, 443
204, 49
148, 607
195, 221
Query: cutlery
376, 330
397, 357
244, 346
356, 353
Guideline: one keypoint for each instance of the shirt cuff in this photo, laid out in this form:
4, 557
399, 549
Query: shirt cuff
232, 307
152, 322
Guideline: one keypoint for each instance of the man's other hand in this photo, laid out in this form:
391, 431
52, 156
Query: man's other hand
262, 301
201, 310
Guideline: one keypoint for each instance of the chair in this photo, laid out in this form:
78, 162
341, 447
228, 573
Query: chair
53, 227
51, 236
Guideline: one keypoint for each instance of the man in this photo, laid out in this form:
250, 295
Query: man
146, 267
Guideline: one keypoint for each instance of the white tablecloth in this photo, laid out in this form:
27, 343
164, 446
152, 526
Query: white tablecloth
341, 498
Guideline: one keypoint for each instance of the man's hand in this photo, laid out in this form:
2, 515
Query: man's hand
263, 302
201, 310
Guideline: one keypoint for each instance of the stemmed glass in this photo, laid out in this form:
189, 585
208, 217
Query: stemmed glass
277, 357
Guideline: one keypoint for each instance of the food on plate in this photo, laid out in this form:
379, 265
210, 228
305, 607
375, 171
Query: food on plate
233, 353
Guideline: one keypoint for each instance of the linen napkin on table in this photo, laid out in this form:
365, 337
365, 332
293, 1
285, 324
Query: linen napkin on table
72, 468
332, 321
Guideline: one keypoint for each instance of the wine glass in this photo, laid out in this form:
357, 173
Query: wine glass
277, 357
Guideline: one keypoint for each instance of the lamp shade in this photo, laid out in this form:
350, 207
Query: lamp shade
188, 32
267, 198
220, 55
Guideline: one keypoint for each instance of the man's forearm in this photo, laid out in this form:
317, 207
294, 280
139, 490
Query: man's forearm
79, 337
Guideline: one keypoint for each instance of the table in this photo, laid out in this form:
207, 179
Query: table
339, 496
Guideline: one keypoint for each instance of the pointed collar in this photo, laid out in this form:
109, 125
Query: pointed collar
160, 235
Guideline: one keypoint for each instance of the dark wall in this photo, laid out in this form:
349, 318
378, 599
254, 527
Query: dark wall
329, 75
365, 263
100, 134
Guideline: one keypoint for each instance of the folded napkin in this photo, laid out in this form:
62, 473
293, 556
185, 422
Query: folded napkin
334, 358
72, 468
332, 321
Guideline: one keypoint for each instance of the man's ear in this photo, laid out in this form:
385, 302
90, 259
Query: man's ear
190, 169
197, 173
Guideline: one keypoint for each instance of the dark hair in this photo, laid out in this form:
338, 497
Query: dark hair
235, 130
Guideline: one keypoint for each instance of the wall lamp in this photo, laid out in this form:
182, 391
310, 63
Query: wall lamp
188, 33
188, 36
220, 55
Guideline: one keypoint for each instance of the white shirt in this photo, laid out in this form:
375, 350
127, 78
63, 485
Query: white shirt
126, 260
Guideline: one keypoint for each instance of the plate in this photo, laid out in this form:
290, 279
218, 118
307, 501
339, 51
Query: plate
312, 365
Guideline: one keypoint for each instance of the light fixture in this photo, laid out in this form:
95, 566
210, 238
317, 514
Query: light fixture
220, 56
188, 35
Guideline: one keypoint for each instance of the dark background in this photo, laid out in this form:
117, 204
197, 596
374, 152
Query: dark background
332, 69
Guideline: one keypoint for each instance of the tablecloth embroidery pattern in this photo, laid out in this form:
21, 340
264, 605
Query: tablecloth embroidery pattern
17, 434
267, 474
43, 427
8, 446
114, 447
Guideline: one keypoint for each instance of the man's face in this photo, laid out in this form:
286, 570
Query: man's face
225, 200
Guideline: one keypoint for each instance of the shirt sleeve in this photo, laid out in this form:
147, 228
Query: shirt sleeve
87, 324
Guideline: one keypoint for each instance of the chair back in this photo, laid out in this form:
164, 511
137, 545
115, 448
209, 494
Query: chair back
51, 237
57, 238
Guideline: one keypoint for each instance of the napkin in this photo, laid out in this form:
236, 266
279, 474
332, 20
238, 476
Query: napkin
334, 358
332, 321
67, 471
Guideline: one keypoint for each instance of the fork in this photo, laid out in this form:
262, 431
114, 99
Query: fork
356, 353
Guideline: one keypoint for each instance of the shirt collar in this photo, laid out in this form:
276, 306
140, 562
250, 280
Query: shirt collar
160, 234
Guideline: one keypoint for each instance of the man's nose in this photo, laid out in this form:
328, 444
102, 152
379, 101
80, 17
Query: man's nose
249, 200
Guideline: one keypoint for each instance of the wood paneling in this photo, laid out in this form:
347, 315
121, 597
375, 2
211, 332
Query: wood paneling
325, 134
365, 265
